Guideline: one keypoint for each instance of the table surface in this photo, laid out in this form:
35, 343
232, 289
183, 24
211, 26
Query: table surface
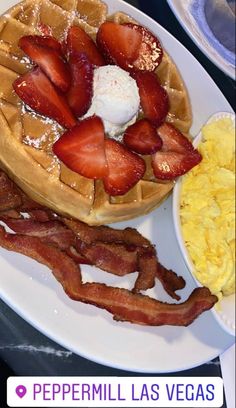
25, 351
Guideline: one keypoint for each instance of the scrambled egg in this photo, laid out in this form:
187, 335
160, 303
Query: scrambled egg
207, 209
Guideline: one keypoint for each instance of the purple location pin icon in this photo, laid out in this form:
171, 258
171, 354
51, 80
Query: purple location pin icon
21, 391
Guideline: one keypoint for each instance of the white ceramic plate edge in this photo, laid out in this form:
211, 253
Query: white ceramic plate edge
175, 358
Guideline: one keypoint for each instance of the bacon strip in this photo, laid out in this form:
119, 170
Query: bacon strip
65, 270
122, 252
112, 258
147, 264
89, 234
52, 232
9, 197
171, 282
123, 304
141, 309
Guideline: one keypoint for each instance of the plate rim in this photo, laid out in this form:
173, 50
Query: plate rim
215, 353
226, 68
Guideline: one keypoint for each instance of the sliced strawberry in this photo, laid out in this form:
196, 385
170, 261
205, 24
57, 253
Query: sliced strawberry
79, 41
169, 165
35, 90
80, 93
125, 168
44, 41
173, 139
150, 53
82, 148
142, 137
119, 44
154, 98
46, 53
131, 46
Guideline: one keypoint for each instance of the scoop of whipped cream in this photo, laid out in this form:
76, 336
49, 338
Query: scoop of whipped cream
115, 99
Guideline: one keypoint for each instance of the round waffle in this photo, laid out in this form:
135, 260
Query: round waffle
26, 138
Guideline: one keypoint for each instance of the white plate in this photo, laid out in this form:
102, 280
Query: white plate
202, 35
225, 314
30, 289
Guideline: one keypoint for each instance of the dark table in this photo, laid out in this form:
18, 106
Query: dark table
23, 349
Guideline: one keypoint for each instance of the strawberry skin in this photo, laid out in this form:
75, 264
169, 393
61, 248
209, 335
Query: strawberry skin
119, 44
150, 52
154, 98
142, 138
131, 46
48, 58
82, 150
169, 165
78, 41
125, 168
173, 139
36, 91
80, 94
42, 40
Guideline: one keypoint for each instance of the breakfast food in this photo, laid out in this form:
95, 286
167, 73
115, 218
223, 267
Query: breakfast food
49, 34
63, 244
207, 208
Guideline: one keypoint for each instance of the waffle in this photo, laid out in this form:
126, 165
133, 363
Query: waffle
26, 138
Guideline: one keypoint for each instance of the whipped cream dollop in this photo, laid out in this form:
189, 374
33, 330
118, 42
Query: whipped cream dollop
115, 99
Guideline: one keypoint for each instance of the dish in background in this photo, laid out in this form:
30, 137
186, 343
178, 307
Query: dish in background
92, 333
225, 313
196, 16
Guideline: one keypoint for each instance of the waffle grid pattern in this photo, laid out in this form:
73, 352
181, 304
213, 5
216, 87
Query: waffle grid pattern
36, 135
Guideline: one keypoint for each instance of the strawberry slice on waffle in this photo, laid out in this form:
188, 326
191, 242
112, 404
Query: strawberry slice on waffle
79, 41
80, 94
46, 53
125, 168
142, 137
154, 98
36, 90
82, 148
131, 46
177, 155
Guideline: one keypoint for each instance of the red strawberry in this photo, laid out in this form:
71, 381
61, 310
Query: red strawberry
46, 53
36, 91
154, 98
142, 137
130, 46
125, 168
173, 139
169, 165
150, 52
119, 44
82, 148
44, 41
80, 93
79, 41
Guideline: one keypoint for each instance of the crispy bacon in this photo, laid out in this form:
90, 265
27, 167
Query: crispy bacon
52, 232
66, 271
147, 264
42, 215
171, 282
123, 304
9, 197
141, 309
89, 234
112, 258
116, 251
77, 257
